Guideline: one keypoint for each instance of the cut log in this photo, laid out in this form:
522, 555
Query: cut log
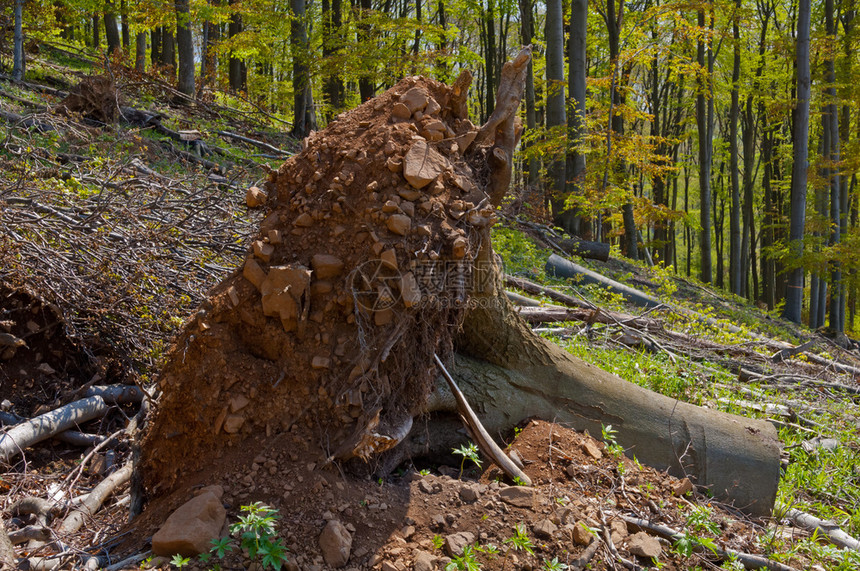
558, 266
585, 249
49, 424
537, 289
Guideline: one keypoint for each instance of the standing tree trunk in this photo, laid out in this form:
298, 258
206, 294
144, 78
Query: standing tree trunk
96, 27
155, 51
303, 112
797, 221
366, 81
735, 267
126, 28
19, 60
335, 91
527, 32
140, 52
705, 125
236, 65
555, 103
836, 295
168, 51
185, 45
571, 219
111, 30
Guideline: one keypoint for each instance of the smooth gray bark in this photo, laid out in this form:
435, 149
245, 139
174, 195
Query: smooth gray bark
705, 125
19, 65
735, 269
556, 114
797, 221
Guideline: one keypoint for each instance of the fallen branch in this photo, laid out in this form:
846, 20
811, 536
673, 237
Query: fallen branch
255, 142
49, 424
537, 289
484, 441
116, 394
94, 500
748, 560
833, 532
556, 265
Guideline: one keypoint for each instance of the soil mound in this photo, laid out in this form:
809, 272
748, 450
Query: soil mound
359, 273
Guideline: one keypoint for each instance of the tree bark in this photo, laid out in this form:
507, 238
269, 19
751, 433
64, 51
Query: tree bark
185, 45
556, 115
236, 65
303, 112
18, 57
735, 268
705, 124
510, 372
111, 29
140, 52
571, 219
797, 221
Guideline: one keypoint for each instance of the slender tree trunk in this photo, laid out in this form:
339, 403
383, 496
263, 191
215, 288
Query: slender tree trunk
332, 44
797, 222
236, 65
735, 268
126, 28
490, 57
111, 30
303, 121
836, 321
555, 100
168, 50
185, 45
571, 219
155, 51
96, 27
140, 52
366, 82
705, 124
19, 65
527, 32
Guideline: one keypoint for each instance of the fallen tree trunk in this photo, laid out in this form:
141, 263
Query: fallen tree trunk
558, 266
321, 334
585, 249
49, 424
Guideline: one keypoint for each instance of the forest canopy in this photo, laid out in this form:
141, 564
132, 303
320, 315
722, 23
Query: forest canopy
713, 137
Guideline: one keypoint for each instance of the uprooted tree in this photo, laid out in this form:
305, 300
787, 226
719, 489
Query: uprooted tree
375, 256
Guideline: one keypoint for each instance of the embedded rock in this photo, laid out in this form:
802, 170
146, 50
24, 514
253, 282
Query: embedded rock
422, 164
190, 530
335, 543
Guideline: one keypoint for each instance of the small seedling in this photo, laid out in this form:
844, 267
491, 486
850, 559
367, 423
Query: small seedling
466, 562
438, 541
468, 452
179, 562
554, 565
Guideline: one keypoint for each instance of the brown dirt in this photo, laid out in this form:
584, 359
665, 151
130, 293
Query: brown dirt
340, 358
394, 520
33, 376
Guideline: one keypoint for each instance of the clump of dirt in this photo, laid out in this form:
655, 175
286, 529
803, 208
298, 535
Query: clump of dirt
95, 97
359, 274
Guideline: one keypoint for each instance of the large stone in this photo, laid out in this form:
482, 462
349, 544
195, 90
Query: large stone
422, 164
544, 529
282, 292
326, 266
581, 535
190, 530
415, 99
423, 561
519, 496
399, 224
456, 542
410, 292
644, 545
253, 272
255, 197
335, 543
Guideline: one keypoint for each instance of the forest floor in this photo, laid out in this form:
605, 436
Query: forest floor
115, 220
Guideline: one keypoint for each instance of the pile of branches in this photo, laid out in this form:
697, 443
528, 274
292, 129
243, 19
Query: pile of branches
124, 251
